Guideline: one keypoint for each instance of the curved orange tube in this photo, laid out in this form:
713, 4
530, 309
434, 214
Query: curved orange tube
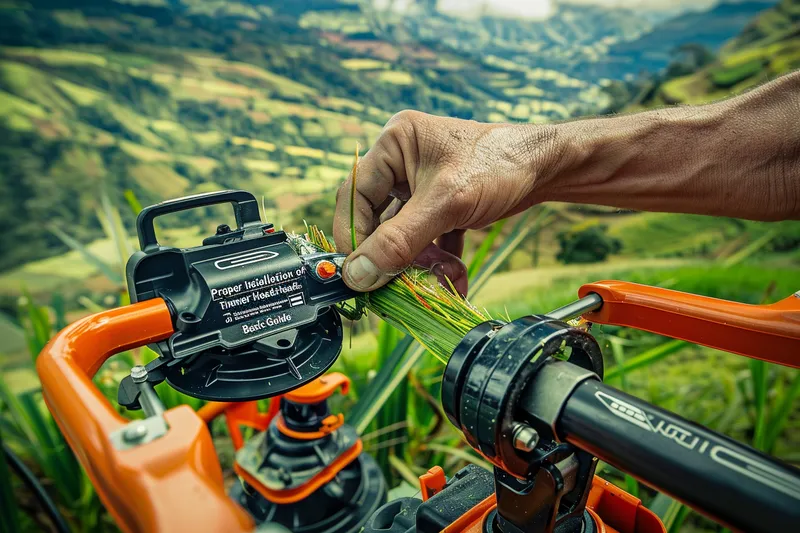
767, 332
238, 414
173, 483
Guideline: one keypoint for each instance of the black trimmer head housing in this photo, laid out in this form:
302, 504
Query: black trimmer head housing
252, 309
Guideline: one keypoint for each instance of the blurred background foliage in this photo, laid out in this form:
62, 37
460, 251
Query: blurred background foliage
107, 105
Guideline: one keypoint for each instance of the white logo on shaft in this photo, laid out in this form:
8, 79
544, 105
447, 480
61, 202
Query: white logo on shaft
720, 454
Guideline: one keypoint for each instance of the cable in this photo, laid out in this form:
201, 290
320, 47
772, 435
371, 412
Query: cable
56, 518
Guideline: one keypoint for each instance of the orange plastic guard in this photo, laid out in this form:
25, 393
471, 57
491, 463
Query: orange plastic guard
173, 483
320, 389
767, 332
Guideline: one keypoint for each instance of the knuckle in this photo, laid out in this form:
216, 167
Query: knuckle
402, 127
340, 192
404, 116
397, 245
343, 192
461, 200
341, 239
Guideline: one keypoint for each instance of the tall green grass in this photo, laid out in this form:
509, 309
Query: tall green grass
30, 431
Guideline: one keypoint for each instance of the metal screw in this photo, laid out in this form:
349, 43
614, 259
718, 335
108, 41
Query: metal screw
134, 433
139, 374
525, 437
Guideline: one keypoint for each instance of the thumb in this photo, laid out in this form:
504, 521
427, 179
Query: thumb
392, 247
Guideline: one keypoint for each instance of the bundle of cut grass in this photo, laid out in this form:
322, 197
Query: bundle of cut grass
413, 302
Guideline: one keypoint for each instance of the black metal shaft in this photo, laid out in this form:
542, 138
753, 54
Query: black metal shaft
731, 483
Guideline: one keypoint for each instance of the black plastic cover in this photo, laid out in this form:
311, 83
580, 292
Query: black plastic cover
466, 489
252, 317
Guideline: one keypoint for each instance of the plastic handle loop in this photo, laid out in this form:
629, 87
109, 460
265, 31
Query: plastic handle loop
245, 208
173, 483
767, 332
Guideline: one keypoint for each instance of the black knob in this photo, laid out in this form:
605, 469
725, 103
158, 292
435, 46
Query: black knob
222, 229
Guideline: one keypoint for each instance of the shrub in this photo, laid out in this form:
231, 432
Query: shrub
587, 244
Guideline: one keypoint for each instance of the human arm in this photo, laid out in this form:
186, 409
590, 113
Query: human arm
739, 157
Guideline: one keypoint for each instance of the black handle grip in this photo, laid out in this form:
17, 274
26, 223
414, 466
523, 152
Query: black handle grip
245, 208
731, 483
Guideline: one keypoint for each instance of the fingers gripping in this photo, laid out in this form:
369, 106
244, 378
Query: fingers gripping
392, 247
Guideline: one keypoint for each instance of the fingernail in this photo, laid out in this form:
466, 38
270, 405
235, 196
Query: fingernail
361, 273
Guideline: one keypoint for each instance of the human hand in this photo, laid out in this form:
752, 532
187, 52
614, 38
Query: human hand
426, 180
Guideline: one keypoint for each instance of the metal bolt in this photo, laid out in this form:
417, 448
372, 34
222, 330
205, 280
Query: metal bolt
138, 374
525, 437
134, 433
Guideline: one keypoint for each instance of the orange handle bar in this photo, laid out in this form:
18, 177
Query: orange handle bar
767, 332
173, 483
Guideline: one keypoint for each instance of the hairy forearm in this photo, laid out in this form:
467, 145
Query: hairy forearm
739, 157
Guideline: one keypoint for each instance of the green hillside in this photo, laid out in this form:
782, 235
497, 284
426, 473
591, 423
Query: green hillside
654, 49
768, 47
171, 98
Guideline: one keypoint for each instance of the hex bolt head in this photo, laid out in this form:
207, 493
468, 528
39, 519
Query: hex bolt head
525, 437
134, 433
138, 374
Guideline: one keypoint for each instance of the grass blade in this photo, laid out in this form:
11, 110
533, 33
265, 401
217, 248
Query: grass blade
460, 453
480, 255
37, 328
9, 513
750, 249
619, 360
631, 485
133, 201
645, 359
88, 256
758, 377
383, 393
384, 431
781, 414
405, 472
671, 512
111, 221
363, 411
353, 242
529, 222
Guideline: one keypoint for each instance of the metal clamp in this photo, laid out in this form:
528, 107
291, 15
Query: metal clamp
139, 432
548, 392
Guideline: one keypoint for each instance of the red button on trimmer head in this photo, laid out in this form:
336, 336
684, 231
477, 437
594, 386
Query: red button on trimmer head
326, 269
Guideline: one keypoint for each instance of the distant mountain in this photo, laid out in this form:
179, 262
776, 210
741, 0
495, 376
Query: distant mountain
574, 36
652, 51
778, 23
767, 47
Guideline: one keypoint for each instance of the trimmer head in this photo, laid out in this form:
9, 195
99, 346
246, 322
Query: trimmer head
252, 307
